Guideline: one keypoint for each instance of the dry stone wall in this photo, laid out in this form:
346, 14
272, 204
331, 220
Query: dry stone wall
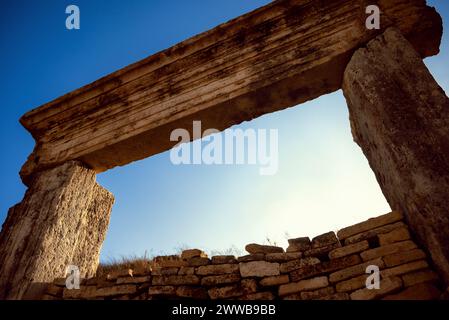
328, 267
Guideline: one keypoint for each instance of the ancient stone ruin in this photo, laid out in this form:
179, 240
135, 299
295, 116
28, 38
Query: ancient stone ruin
330, 267
276, 57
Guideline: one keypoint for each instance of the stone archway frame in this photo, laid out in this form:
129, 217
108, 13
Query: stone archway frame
278, 56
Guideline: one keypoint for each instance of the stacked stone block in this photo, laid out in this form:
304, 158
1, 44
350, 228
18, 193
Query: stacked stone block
328, 267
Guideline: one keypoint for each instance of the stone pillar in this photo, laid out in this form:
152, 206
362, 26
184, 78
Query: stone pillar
62, 220
400, 118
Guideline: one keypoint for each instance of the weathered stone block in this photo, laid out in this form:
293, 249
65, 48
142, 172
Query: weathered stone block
220, 279
324, 240
85, 292
387, 286
348, 250
252, 257
51, 228
324, 267
369, 224
414, 278
183, 271
316, 294
299, 244
353, 271
398, 258
169, 261
394, 236
259, 296
392, 100
192, 253
322, 252
217, 269
169, 271
191, 292
283, 257
405, 268
259, 269
424, 291
225, 259
352, 284
336, 296
227, 292
274, 280
370, 234
254, 248
387, 250
175, 280
304, 285
198, 261
162, 291
296, 264
116, 290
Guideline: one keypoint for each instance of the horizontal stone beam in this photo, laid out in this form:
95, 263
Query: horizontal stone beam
278, 56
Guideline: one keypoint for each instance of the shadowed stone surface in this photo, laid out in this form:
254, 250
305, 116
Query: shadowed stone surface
400, 118
62, 220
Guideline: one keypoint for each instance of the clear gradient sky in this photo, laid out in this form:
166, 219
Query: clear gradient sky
323, 182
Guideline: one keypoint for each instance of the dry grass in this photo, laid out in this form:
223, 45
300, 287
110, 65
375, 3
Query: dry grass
123, 263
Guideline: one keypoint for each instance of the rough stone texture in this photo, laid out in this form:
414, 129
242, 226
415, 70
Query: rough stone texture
400, 118
116, 290
324, 267
264, 296
62, 220
274, 280
299, 244
324, 240
278, 56
191, 253
259, 269
403, 257
387, 250
322, 252
387, 286
308, 278
162, 291
353, 271
283, 257
172, 261
352, 284
296, 264
405, 268
226, 292
394, 236
217, 269
183, 271
254, 248
191, 292
224, 259
348, 250
252, 257
175, 280
198, 261
414, 278
309, 284
317, 294
220, 279
373, 233
423, 291
369, 224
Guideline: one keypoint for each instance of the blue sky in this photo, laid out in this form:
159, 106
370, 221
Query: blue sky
323, 183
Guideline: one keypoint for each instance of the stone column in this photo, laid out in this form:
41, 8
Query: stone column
62, 220
400, 118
